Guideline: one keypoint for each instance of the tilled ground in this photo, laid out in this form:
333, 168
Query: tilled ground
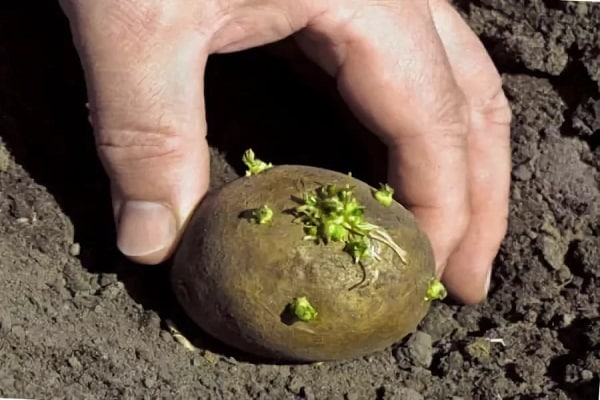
79, 321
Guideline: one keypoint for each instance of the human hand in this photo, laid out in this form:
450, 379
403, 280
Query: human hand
412, 71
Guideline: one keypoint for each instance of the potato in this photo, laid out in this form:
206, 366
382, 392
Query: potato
240, 280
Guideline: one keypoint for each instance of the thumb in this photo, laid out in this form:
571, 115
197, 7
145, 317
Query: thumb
147, 108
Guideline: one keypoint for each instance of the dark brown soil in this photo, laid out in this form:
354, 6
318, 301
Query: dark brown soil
79, 321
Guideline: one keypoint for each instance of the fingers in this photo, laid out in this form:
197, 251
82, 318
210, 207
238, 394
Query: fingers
146, 99
469, 267
392, 70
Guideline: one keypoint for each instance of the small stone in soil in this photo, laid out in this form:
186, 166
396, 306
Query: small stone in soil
522, 173
74, 249
587, 375
74, 362
553, 252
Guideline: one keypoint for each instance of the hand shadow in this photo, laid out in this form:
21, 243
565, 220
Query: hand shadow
288, 112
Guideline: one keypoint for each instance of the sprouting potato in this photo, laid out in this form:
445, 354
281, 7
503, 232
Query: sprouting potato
299, 263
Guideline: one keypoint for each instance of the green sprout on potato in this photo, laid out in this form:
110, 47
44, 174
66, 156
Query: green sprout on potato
303, 310
331, 213
435, 290
254, 165
385, 195
262, 215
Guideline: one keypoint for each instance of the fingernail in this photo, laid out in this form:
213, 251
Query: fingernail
488, 280
144, 228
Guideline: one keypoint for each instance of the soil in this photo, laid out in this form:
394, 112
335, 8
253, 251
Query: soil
77, 320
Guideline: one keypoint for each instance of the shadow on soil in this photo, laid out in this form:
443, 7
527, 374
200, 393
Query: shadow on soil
287, 112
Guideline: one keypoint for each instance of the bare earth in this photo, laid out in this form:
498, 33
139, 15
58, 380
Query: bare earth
77, 320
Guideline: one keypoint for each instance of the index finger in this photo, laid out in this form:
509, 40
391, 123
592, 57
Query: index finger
469, 267
392, 71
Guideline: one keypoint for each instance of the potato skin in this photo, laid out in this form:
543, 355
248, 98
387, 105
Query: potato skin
234, 278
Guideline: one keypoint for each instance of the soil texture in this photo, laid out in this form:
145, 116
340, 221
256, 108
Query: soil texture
79, 321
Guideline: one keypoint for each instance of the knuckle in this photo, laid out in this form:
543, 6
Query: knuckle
452, 120
127, 145
494, 106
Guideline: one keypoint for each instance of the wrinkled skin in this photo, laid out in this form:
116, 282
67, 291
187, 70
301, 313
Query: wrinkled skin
235, 278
